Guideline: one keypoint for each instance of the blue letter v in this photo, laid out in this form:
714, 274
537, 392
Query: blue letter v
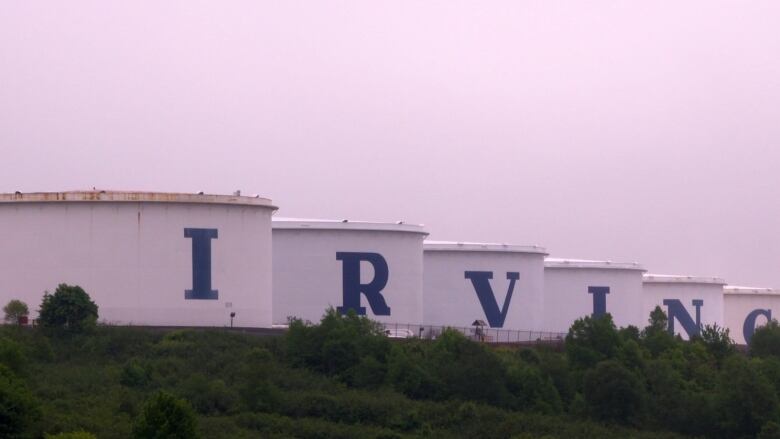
481, 282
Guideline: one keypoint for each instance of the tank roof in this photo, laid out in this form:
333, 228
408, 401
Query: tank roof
587, 263
454, 246
676, 279
733, 289
108, 196
282, 223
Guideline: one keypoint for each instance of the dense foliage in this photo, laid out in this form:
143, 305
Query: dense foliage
342, 378
69, 308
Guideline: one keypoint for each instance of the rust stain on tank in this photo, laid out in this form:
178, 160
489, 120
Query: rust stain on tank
97, 196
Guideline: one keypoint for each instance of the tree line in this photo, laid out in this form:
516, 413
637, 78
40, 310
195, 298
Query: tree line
342, 377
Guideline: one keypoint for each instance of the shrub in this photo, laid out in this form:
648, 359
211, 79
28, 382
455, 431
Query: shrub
165, 417
14, 310
70, 307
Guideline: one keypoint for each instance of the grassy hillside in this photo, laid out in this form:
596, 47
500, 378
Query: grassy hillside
343, 379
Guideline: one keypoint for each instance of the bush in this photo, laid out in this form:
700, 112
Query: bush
14, 310
70, 308
165, 417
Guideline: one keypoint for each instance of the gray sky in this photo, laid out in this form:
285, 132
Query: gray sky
641, 131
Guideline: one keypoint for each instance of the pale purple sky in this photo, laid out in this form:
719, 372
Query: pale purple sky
640, 131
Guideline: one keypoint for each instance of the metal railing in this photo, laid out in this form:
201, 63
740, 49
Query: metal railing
476, 333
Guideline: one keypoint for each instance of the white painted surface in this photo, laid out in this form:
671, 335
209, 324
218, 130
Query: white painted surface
739, 302
308, 278
566, 297
129, 253
657, 288
450, 298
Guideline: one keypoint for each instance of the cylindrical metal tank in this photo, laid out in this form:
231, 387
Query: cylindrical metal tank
144, 258
500, 284
746, 308
575, 288
374, 268
689, 302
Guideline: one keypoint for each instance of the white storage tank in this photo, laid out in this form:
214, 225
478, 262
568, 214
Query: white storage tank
374, 268
499, 284
747, 308
575, 288
144, 258
689, 302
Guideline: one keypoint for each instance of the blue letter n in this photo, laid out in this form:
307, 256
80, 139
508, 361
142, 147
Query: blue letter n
677, 312
201, 264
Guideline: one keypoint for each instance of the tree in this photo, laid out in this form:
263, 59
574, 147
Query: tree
766, 340
70, 307
613, 393
717, 341
165, 417
18, 408
592, 339
747, 400
14, 310
656, 337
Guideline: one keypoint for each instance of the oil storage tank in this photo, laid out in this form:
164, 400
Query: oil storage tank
168, 259
689, 302
747, 308
575, 288
498, 285
373, 268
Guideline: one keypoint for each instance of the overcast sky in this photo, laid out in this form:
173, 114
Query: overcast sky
641, 131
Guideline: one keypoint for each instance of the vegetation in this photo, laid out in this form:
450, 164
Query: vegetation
14, 310
69, 308
342, 378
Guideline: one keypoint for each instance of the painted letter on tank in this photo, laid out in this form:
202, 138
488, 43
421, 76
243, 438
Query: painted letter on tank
676, 310
201, 264
749, 327
481, 282
599, 300
352, 288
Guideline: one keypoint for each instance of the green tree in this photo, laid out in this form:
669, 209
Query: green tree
165, 417
766, 340
656, 337
717, 341
18, 409
614, 393
70, 308
747, 399
350, 347
591, 340
14, 310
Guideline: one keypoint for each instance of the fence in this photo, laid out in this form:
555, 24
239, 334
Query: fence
476, 333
